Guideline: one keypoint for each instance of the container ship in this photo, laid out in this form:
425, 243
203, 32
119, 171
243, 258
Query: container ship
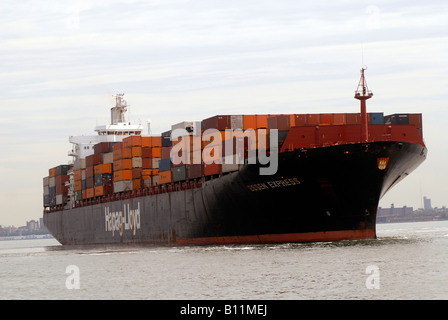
232, 179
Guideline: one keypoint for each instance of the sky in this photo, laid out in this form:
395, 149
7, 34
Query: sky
181, 60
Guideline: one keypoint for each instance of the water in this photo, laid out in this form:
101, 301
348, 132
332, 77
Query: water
410, 259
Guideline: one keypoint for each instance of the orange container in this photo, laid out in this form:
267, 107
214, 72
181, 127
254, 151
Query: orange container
90, 193
78, 174
152, 141
122, 164
250, 121
117, 146
136, 151
52, 172
165, 177
136, 184
121, 175
132, 141
78, 185
262, 120
103, 168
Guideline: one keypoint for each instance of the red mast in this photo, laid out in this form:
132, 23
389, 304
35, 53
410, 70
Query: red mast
363, 93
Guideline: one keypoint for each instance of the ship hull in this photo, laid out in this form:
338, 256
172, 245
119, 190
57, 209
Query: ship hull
318, 194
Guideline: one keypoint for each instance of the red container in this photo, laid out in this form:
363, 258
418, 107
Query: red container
102, 147
93, 159
353, 118
132, 141
220, 122
281, 122
212, 169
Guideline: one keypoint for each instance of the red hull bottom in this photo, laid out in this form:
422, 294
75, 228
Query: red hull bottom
283, 238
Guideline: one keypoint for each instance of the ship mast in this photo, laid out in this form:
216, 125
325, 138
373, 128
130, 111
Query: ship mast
363, 93
117, 112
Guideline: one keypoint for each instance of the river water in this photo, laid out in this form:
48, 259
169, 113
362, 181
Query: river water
407, 261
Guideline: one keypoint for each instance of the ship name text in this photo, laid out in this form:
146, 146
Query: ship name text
126, 219
274, 184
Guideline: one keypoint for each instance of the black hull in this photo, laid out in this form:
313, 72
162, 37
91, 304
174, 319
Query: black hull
320, 194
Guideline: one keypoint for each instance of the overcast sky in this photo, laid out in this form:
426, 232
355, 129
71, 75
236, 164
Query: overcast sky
178, 60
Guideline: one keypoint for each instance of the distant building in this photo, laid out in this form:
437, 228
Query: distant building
392, 213
427, 203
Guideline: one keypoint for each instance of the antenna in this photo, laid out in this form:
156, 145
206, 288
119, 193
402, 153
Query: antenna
363, 93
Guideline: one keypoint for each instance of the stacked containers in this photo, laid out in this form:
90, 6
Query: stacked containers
55, 190
151, 153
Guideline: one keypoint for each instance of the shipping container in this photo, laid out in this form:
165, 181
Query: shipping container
103, 190
136, 151
90, 172
78, 195
123, 185
211, 169
165, 177
122, 153
280, 122
236, 122
62, 169
375, 118
46, 200
166, 139
398, 118
93, 160
122, 164
165, 152
230, 163
102, 168
52, 172
102, 147
132, 141
137, 173
155, 163
117, 146
188, 126
90, 193
122, 175
179, 173
46, 181
78, 185
415, 119
194, 171
52, 181
164, 165
107, 157
220, 122
136, 184
77, 174
250, 121
136, 162
153, 141
262, 121
46, 190
101, 179
153, 152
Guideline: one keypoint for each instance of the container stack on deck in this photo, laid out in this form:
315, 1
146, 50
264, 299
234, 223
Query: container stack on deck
140, 162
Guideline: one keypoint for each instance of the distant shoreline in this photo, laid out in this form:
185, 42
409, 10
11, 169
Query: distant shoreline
27, 237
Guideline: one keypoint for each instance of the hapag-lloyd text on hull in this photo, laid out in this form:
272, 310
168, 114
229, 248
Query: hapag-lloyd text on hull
213, 153
126, 219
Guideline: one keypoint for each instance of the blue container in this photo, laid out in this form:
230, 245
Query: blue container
165, 165
377, 118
